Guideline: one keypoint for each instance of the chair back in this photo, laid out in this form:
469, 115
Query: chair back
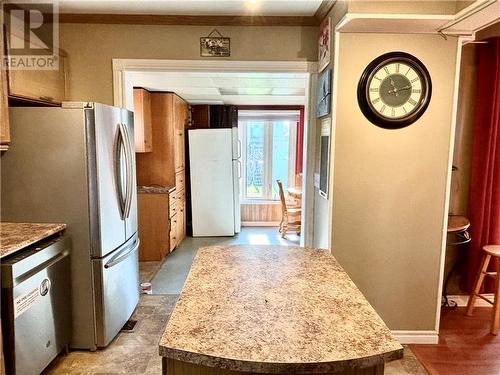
282, 196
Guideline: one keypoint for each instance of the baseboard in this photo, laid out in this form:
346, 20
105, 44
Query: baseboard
416, 337
260, 223
462, 299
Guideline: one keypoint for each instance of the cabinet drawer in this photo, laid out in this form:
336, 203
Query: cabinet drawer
180, 180
174, 232
173, 208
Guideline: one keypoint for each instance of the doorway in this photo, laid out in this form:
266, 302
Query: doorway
270, 86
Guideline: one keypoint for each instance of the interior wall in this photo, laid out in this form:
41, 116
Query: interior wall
321, 204
91, 48
389, 188
462, 151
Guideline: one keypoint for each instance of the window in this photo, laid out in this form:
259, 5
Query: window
268, 152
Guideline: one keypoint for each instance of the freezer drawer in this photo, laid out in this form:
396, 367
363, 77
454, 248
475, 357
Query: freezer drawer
116, 283
36, 306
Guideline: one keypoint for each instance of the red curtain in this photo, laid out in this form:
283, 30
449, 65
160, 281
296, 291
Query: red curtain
484, 191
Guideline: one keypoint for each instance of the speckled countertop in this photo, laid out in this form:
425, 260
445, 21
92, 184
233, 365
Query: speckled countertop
155, 189
272, 309
16, 236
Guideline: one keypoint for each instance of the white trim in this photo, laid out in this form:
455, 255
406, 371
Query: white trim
333, 130
260, 224
462, 299
448, 182
416, 337
375, 17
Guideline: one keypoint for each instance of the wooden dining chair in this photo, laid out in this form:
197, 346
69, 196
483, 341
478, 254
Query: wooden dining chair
290, 216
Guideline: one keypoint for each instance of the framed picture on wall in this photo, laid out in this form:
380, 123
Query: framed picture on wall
324, 44
324, 161
324, 93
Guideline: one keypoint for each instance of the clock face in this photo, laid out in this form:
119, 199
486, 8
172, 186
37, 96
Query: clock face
394, 90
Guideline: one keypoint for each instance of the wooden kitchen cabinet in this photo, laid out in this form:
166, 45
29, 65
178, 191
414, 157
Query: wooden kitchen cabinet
154, 225
142, 120
39, 85
165, 164
4, 113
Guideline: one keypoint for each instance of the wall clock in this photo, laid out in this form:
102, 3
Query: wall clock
394, 90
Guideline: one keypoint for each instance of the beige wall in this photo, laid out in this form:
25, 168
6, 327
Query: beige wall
462, 152
389, 185
92, 47
405, 6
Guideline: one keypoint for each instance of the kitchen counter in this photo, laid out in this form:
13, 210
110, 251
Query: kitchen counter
271, 309
17, 236
155, 189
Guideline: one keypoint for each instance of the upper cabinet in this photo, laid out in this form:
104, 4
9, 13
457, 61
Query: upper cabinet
142, 120
40, 85
4, 113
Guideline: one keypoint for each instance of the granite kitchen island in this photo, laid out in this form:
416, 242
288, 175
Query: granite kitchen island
273, 310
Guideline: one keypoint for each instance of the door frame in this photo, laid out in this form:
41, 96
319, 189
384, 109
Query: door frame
120, 88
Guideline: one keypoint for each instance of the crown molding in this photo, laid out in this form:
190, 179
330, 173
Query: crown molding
152, 19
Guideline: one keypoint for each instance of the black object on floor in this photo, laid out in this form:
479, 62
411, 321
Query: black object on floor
129, 326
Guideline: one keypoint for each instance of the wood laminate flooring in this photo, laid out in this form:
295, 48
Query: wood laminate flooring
465, 345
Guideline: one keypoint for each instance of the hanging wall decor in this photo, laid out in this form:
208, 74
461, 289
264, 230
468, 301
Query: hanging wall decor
324, 93
324, 44
215, 45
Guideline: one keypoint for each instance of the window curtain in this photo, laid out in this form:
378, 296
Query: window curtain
484, 191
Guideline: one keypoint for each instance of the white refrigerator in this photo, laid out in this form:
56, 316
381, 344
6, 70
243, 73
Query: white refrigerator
215, 171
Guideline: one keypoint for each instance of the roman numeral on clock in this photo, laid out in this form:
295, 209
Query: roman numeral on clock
397, 68
393, 112
375, 101
382, 109
412, 102
416, 91
373, 90
386, 70
415, 80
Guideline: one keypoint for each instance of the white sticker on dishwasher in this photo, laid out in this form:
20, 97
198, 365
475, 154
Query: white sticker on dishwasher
25, 301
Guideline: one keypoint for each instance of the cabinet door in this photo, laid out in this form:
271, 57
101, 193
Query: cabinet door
4, 113
142, 121
180, 118
39, 85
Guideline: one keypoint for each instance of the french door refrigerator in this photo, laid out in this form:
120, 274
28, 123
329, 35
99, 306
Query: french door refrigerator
76, 165
215, 171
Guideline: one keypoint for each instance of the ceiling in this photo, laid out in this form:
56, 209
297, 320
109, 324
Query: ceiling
194, 7
224, 88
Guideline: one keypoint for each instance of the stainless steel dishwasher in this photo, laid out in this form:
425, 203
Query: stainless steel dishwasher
36, 305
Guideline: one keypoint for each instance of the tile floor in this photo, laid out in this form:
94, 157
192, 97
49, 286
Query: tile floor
173, 272
137, 352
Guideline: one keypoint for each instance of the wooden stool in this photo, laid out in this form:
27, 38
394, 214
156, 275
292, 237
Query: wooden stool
489, 251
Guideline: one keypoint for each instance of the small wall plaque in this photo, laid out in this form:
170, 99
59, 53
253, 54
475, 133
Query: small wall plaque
215, 45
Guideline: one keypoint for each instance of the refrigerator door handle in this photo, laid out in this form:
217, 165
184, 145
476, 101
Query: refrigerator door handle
120, 141
240, 167
129, 166
121, 256
239, 149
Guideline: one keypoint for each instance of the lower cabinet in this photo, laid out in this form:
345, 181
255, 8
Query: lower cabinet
177, 212
154, 225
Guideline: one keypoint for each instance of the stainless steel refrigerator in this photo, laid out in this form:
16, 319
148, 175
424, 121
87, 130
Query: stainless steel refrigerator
76, 165
215, 172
